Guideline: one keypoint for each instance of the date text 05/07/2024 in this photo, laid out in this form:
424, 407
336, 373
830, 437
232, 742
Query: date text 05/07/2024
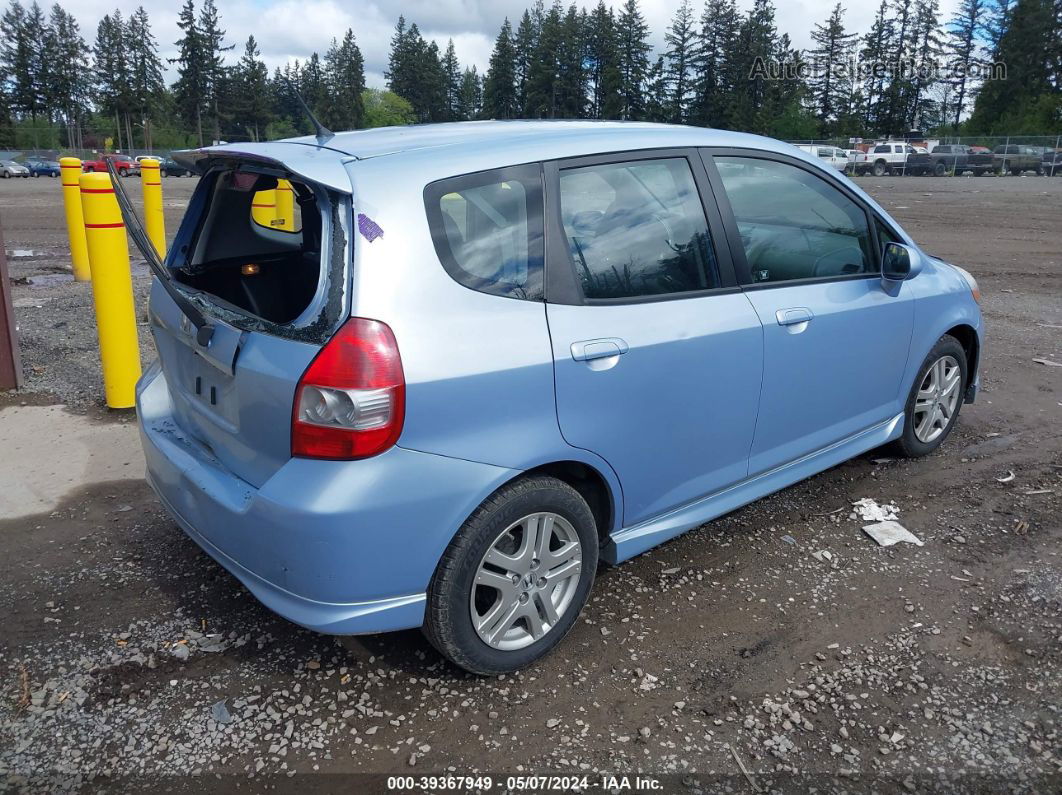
459, 783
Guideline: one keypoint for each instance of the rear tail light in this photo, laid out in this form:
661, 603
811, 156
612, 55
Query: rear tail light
350, 402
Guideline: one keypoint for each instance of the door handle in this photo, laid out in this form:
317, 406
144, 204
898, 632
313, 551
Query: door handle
588, 350
790, 317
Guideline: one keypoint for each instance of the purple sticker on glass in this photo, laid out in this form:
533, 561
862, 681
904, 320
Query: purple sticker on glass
369, 229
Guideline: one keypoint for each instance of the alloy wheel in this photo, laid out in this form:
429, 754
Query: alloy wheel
937, 399
526, 581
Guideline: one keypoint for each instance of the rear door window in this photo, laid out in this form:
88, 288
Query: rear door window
637, 229
487, 230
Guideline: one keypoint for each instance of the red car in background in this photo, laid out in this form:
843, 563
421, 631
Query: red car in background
124, 165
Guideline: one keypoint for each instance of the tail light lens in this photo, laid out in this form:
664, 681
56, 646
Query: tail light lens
350, 402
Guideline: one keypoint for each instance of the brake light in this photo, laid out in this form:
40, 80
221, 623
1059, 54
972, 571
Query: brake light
350, 402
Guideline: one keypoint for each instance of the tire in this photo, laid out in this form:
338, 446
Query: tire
7, 175
453, 594
123, 172
913, 444
880, 169
163, 173
939, 170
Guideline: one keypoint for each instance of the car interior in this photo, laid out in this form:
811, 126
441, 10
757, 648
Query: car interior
266, 271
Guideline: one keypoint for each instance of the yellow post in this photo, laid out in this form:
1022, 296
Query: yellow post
112, 290
70, 170
154, 221
285, 206
264, 208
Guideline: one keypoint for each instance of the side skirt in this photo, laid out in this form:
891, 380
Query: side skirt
631, 541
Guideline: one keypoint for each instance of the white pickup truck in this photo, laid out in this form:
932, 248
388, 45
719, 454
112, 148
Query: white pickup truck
898, 158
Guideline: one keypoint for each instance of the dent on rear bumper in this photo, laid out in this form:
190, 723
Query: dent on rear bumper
338, 547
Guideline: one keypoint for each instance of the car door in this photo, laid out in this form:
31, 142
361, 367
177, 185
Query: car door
836, 337
657, 353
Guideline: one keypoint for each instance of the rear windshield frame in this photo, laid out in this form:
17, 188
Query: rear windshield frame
327, 308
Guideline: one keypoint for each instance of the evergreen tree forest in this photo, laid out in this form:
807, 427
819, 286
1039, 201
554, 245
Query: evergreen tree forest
720, 65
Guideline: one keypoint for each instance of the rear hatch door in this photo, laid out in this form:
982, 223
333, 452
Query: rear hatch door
271, 296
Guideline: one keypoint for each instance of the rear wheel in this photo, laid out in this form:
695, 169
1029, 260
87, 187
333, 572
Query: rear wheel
880, 169
940, 170
935, 399
514, 579
123, 172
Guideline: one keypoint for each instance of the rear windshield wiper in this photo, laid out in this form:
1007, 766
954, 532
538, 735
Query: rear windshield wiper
204, 330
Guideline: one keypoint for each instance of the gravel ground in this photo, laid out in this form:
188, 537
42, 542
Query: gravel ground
777, 642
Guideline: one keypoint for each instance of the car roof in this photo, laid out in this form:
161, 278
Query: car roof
552, 139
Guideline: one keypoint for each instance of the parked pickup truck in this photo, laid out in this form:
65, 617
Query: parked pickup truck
1016, 158
123, 164
898, 158
960, 159
1052, 163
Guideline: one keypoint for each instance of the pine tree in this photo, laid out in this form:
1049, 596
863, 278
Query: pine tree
213, 38
146, 86
923, 112
714, 54
606, 100
1027, 99
190, 88
995, 23
112, 75
829, 89
570, 87
964, 29
499, 86
344, 69
632, 41
452, 69
680, 40
878, 46
754, 51
545, 66
655, 107
524, 44
67, 86
470, 98
251, 111
19, 61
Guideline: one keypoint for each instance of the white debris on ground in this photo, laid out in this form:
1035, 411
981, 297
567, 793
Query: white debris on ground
889, 533
868, 510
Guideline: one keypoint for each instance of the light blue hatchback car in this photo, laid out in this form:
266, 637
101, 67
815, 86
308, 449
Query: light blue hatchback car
472, 361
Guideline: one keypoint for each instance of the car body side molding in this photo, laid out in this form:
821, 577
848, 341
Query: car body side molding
634, 540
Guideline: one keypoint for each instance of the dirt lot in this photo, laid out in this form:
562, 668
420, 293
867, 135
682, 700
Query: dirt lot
125, 653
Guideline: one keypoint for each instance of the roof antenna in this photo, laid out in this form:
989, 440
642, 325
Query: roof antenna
322, 133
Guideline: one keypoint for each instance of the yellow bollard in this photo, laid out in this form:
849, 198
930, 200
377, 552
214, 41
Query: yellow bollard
70, 170
154, 220
112, 290
285, 206
264, 208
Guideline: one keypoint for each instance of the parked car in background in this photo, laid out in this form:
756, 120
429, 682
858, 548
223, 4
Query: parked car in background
960, 159
1051, 163
1017, 158
286, 425
898, 158
831, 155
9, 168
42, 168
168, 167
124, 165
857, 161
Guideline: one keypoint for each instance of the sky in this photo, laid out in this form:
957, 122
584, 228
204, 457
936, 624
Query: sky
292, 29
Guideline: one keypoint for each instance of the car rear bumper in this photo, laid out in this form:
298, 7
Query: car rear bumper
342, 547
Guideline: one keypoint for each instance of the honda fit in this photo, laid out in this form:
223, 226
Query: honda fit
433, 376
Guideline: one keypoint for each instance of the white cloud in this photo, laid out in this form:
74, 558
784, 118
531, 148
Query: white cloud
292, 29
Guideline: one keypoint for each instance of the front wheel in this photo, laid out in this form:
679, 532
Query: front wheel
936, 397
514, 579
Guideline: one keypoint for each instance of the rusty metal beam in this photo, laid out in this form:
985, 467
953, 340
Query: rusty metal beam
10, 361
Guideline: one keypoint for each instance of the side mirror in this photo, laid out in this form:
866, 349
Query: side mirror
897, 262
